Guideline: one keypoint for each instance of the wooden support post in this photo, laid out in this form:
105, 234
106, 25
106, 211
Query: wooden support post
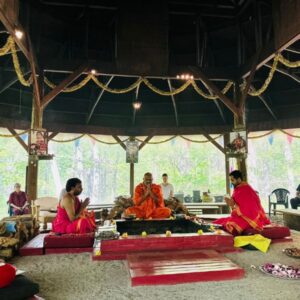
131, 179
32, 177
227, 166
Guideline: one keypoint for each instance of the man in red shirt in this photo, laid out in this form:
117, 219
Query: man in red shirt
18, 201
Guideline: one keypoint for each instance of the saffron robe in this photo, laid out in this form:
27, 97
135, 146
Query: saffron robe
84, 224
247, 212
148, 209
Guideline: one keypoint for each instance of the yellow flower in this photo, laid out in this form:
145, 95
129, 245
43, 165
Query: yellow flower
144, 233
200, 231
168, 233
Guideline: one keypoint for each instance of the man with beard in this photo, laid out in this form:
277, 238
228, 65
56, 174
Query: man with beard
247, 211
72, 216
148, 200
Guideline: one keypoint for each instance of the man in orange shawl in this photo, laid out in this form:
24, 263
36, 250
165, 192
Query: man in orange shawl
247, 211
148, 201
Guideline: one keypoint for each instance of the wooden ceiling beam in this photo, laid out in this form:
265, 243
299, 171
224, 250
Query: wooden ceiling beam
11, 29
266, 55
58, 89
227, 102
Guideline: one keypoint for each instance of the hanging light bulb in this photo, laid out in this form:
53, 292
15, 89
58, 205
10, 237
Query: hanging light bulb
93, 72
136, 105
18, 34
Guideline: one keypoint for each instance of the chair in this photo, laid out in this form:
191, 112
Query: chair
44, 209
282, 198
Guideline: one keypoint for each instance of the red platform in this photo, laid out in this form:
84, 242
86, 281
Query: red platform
173, 267
34, 246
110, 249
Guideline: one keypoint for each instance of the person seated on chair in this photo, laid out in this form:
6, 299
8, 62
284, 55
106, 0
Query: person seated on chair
167, 188
72, 216
247, 211
18, 201
295, 202
148, 201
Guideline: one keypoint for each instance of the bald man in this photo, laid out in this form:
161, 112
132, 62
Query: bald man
148, 201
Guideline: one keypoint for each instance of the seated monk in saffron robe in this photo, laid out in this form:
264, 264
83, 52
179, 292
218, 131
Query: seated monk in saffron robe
247, 211
148, 201
72, 216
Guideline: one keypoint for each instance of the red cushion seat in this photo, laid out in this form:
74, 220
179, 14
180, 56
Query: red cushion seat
85, 240
272, 231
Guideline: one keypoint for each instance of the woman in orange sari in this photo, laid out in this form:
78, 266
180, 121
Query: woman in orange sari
247, 211
72, 216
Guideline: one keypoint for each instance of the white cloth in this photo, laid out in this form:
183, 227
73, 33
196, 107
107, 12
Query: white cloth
167, 190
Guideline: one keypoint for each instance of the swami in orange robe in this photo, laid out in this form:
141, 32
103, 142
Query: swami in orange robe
148, 201
247, 211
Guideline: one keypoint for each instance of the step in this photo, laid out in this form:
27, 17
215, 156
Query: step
34, 246
174, 267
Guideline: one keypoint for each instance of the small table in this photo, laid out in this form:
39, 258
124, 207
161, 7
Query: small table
220, 207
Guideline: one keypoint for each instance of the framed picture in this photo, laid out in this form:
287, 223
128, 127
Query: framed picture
237, 142
38, 142
132, 152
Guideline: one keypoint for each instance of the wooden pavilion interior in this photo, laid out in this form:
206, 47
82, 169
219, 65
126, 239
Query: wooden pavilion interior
148, 68
195, 67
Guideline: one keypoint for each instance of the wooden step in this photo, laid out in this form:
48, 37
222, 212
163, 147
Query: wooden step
173, 267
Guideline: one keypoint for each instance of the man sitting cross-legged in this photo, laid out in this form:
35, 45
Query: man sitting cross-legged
148, 201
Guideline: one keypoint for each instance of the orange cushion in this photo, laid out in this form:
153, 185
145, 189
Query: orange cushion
272, 231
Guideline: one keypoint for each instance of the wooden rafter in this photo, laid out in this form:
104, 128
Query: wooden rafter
58, 89
11, 29
174, 103
214, 142
17, 137
216, 91
266, 55
143, 144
